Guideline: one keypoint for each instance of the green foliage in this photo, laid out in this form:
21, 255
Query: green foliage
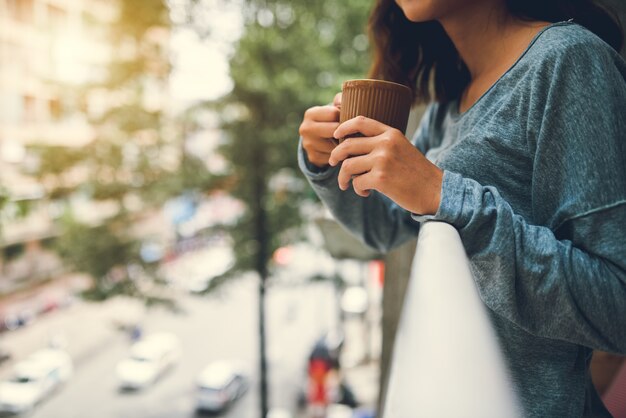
292, 55
4, 200
101, 251
54, 160
136, 17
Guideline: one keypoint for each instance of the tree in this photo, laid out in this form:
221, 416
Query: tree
292, 55
102, 252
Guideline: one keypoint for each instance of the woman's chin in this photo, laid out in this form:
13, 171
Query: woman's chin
419, 11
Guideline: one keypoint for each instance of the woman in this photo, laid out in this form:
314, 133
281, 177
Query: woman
523, 151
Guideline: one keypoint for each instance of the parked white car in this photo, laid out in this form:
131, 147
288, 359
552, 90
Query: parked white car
149, 359
57, 359
28, 386
34, 379
219, 385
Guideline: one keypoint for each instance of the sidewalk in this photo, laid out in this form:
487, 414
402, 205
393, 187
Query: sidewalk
361, 359
363, 380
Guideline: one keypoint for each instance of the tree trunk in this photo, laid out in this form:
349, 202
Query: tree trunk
262, 257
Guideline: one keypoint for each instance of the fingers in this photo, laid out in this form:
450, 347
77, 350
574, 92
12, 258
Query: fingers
352, 147
337, 100
318, 158
362, 125
318, 135
364, 183
352, 167
317, 144
322, 114
326, 146
317, 129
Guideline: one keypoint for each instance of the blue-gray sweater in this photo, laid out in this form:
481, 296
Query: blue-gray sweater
535, 183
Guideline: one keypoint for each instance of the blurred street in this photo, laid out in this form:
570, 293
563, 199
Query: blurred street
115, 166
210, 328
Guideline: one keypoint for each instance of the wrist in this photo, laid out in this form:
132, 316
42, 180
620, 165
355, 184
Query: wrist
433, 196
437, 184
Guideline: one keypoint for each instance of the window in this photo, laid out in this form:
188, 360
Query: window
29, 109
21, 10
55, 109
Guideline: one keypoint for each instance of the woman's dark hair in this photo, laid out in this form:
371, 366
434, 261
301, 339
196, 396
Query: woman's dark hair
422, 56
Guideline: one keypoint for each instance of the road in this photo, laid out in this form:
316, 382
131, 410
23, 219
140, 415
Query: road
214, 327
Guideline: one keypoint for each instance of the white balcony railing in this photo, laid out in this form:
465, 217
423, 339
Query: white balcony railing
446, 360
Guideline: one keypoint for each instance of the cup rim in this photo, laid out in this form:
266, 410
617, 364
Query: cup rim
371, 81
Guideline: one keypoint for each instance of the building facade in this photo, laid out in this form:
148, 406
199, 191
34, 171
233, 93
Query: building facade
49, 50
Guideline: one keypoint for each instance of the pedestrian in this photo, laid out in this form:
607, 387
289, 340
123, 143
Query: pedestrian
522, 149
136, 332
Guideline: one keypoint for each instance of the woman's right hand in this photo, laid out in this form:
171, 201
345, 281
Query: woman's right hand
317, 130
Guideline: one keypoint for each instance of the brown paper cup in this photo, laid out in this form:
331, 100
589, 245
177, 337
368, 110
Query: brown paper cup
383, 101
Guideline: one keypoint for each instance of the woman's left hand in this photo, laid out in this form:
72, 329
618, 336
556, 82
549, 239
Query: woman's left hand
385, 160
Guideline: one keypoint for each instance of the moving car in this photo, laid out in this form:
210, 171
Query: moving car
219, 385
149, 359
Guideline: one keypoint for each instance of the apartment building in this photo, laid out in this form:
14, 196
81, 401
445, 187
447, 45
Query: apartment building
48, 50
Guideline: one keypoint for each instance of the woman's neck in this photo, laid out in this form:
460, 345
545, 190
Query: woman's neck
488, 38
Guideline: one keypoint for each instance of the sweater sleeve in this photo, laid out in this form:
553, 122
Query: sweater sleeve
376, 220
562, 276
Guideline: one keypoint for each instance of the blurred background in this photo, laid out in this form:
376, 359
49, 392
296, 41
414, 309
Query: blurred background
161, 255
